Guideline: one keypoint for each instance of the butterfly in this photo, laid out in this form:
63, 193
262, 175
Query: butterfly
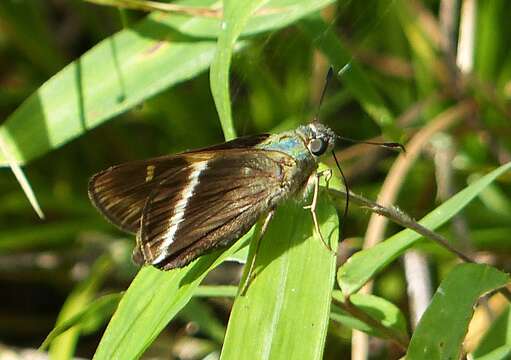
185, 205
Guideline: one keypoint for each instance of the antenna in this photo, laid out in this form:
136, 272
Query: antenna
328, 77
390, 145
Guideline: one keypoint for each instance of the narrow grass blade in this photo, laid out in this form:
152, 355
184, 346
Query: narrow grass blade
99, 308
63, 346
22, 179
387, 314
236, 16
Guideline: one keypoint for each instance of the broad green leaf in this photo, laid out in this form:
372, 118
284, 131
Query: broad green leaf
353, 77
112, 77
497, 337
285, 312
122, 71
381, 310
97, 310
63, 346
236, 15
366, 263
442, 328
152, 300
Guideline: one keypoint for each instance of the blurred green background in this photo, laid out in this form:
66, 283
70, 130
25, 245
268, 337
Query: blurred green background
409, 54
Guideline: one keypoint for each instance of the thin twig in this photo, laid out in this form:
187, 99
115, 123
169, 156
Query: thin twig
399, 217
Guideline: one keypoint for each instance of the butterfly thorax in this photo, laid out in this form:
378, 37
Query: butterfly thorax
301, 145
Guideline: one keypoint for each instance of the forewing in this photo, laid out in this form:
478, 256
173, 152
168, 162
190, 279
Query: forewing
223, 197
120, 192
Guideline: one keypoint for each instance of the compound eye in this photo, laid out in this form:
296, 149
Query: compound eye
317, 146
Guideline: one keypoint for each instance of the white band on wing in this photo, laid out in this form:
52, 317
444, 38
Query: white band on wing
180, 209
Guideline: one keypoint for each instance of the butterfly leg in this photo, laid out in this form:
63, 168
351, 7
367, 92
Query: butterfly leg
250, 274
312, 207
327, 173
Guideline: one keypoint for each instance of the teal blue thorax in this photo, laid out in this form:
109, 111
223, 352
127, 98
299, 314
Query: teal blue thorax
289, 142
296, 142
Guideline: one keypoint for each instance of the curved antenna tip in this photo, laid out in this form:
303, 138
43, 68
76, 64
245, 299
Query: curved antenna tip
394, 145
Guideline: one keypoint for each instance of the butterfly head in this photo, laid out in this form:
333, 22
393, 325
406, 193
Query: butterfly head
320, 138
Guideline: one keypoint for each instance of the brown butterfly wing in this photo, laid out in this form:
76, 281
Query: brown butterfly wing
210, 205
120, 192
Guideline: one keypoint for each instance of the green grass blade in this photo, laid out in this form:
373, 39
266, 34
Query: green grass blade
236, 15
99, 308
152, 300
63, 346
381, 310
442, 328
115, 75
22, 179
285, 312
365, 264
